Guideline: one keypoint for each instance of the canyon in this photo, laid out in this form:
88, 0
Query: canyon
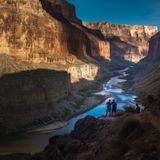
51, 63
46, 35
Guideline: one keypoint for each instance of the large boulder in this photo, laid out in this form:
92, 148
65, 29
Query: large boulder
87, 128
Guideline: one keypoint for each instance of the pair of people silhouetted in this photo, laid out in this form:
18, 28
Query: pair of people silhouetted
111, 108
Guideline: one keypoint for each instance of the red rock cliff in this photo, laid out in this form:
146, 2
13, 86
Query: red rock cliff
37, 33
29, 32
129, 42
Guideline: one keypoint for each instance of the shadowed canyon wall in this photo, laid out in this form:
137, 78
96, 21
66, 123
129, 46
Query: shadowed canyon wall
148, 70
27, 98
127, 42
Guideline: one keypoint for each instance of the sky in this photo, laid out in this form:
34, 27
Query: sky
144, 12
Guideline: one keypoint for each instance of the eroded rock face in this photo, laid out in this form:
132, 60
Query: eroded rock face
33, 35
100, 48
38, 33
29, 96
128, 42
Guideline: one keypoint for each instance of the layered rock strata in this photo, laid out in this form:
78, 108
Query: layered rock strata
127, 42
35, 34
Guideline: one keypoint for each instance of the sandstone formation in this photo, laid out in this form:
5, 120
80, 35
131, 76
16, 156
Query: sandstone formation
32, 33
127, 42
100, 48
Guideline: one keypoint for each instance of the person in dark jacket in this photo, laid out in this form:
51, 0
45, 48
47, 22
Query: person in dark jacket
114, 108
138, 109
109, 107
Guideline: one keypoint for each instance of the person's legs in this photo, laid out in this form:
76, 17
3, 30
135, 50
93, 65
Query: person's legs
110, 112
107, 112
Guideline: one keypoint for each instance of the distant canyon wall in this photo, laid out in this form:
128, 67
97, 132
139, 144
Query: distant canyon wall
129, 42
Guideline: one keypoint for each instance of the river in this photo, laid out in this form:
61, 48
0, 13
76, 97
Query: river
35, 142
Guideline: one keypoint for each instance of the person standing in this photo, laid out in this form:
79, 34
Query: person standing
114, 108
109, 106
138, 109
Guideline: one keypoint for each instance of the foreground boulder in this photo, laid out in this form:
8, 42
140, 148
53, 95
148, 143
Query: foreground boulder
87, 129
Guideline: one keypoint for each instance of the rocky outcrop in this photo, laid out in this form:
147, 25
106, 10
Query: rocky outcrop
127, 42
63, 8
124, 139
26, 97
87, 129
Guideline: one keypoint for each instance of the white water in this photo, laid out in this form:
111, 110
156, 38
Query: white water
36, 142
